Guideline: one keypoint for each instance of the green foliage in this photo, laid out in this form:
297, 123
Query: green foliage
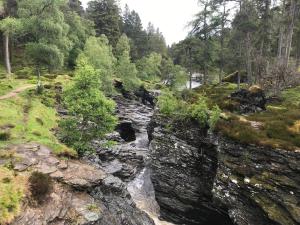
133, 28
106, 16
98, 53
149, 67
40, 185
177, 108
200, 112
92, 113
214, 117
11, 195
10, 25
126, 70
24, 73
168, 103
44, 21
81, 30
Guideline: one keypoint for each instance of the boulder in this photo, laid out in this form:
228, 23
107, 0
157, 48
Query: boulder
251, 100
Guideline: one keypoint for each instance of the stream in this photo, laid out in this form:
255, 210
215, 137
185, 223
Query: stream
128, 159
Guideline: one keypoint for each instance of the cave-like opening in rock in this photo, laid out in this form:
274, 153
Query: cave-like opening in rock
126, 131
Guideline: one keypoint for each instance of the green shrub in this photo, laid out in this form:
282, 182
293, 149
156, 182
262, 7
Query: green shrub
4, 135
168, 103
199, 111
40, 186
92, 113
24, 73
214, 117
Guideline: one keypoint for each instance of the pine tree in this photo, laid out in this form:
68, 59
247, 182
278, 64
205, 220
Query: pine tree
125, 69
106, 16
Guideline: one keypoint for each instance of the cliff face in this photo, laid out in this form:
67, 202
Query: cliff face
206, 179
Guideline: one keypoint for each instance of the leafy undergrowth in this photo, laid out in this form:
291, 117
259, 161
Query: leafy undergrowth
277, 127
25, 118
12, 189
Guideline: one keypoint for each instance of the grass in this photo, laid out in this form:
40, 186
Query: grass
280, 123
28, 120
12, 189
218, 95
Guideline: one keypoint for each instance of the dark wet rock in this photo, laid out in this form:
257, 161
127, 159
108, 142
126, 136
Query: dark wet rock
183, 174
128, 156
250, 101
126, 131
145, 96
218, 177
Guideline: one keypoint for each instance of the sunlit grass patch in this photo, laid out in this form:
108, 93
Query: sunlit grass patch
12, 189
30, 121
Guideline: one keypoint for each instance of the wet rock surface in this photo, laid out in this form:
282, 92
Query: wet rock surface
82, 194
222, 179
128, 156
183, 173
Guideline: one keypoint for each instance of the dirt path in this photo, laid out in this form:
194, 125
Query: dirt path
16, 91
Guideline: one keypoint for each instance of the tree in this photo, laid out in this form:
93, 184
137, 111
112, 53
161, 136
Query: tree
156, 40
124, 68
98, 53
289, 13
91, 113
204, 26
149, 67
9, 26
133, 28
81, 30
173, 76
106, 16
47, 31
245, 26
76, 6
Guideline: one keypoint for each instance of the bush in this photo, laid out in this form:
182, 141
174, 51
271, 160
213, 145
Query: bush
92, 113
214, 117
4, 135
168, 103
199, 111
24, 73
40, 186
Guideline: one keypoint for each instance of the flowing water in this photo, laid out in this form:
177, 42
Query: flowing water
134, 118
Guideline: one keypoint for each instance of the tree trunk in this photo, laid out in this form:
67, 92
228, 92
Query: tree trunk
248, 58
6, 54
290, 32
222, 42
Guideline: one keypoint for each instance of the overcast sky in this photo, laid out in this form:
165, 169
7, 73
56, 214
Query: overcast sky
171, 16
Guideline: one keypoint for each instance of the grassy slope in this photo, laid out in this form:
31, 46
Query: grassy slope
26, 119
279, 125
12, 189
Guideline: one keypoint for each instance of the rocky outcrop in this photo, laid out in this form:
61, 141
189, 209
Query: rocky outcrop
259, 185
201, 178
249, 101
127, 157
183, 173
82, 193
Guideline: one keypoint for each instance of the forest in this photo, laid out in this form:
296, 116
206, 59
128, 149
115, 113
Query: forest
85, 81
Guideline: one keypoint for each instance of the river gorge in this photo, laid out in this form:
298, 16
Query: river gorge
160, 173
